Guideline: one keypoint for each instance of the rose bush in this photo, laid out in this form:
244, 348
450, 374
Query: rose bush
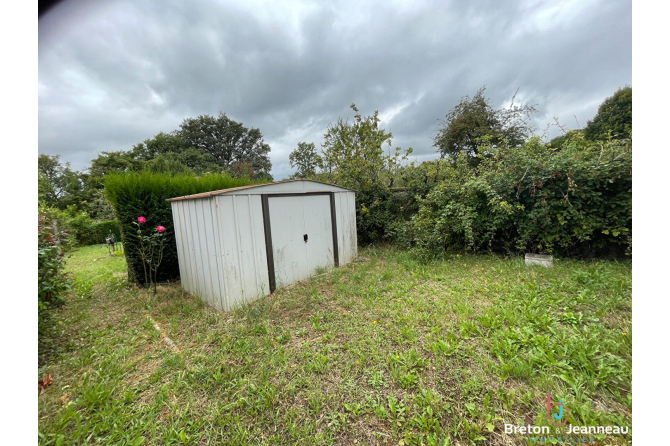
151, 252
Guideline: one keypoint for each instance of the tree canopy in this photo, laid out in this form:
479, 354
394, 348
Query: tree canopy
58, 185
227, 142
160, 144
358, 155
305, 160
473, 122
614, 118
354, 154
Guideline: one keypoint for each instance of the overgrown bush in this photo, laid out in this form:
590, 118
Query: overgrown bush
52, 282
98, 232
359, 156
81, 228
576, 201
85, 231
411, 183
144, 194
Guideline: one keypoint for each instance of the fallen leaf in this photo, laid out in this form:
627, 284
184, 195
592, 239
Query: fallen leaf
46, 382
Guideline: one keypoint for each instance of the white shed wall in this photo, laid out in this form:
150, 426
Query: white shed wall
221, 249
244, 267
347, 240
221, 240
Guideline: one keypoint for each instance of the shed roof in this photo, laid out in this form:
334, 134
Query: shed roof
253, 186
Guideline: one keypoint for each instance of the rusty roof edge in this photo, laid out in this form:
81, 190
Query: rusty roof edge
250, 186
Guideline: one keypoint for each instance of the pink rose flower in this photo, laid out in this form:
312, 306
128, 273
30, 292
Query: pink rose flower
160, 228
141, 219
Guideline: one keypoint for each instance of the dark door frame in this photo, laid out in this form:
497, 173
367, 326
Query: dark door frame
268, 230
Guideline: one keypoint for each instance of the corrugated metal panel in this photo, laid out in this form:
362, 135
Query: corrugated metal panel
223, 230
229, 254
222, 248
346, 226
192, 239
242, 247
319, 228
211, 231
352, 234
290, 256
177, 224
185, 239
216, 245
255, 222
341, 220
203, 265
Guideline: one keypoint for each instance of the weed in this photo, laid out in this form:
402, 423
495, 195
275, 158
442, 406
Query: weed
397, 348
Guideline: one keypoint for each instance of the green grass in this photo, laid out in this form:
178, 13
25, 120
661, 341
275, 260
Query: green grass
93, 264
379, 352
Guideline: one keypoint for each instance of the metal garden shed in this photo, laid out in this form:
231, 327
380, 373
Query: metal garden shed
235, 245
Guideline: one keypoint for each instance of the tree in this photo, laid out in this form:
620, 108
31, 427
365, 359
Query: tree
227, 141
354, 154
305, 160
359, 156
474, 123
160, 144
112, 162
614, 118
57, 184
189, 161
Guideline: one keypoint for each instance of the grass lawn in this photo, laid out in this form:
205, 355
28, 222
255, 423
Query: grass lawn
385, 351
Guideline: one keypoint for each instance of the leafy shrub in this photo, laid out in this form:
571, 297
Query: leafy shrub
355, 157
52, 283
98, 232
573, 201
81, 228
145, 194
86, 232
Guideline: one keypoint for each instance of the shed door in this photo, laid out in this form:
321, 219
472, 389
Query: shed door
291, 219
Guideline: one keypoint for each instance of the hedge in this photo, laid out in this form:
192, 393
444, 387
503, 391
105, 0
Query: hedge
576, 201
145, 194
94, 233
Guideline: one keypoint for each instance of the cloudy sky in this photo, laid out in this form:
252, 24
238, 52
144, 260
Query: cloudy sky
114, 73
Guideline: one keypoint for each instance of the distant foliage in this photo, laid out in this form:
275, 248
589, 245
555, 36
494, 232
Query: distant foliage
614, 118
575, 201
58, 185
100, 230
145, 194
413, 182
82, 230
305, 160
473, 123
227, 142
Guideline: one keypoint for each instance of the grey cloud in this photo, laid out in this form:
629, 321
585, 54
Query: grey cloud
113, 75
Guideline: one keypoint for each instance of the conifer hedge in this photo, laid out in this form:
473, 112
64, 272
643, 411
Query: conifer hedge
144, 194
